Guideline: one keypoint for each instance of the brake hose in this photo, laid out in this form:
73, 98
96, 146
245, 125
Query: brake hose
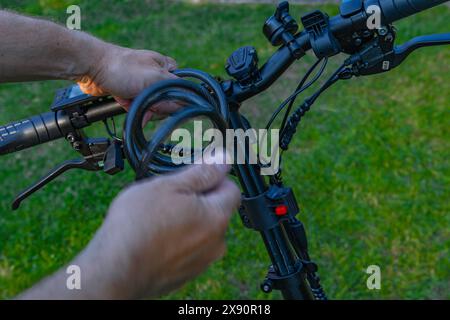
204, 99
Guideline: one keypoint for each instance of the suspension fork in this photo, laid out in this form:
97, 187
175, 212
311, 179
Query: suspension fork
287, 272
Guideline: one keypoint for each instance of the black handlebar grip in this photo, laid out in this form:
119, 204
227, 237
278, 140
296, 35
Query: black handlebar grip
49, 126
394, 10
26, 133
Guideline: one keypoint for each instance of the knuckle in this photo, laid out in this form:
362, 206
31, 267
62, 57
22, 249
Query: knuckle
207, 174
236, 193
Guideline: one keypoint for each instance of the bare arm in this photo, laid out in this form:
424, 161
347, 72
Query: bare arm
35, 49
146, 248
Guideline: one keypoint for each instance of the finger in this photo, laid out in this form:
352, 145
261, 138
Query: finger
147, 78
201, 178
160, 110
125, 103
147, 117
226, 197
154, 76
165, 62
171, 63
166, 75
157, 57
166, 107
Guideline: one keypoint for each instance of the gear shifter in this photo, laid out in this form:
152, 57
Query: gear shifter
380, 55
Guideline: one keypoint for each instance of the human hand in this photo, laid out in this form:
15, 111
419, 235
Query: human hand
124, 73
162, 232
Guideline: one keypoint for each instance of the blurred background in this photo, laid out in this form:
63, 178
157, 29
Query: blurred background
369, 164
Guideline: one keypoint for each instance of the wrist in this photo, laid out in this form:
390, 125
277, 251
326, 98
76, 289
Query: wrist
102, 276
110, 266
88, 55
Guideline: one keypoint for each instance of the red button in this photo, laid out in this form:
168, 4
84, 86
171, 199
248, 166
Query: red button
281, 210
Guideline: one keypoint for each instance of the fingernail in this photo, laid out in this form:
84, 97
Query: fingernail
172, 67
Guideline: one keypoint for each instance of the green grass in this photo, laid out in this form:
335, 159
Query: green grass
369, 164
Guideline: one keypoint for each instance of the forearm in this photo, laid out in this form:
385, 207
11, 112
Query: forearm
102, 276
34, 49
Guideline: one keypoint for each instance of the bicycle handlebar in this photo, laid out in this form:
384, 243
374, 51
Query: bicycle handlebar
340, 27
292, 270
394, 10
49, 126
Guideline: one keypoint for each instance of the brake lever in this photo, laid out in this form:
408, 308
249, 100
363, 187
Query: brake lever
53, 174
401, 52
99, 153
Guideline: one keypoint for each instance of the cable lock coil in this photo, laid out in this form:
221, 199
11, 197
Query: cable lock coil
206, 99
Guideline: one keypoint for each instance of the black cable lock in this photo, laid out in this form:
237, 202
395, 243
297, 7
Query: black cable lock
205, 99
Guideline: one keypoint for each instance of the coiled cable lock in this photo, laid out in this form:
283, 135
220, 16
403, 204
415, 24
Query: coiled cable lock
206, 99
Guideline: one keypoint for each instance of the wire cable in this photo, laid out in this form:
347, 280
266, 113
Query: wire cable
294, 120
300, 88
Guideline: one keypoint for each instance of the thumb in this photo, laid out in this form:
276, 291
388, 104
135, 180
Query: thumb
201, 178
